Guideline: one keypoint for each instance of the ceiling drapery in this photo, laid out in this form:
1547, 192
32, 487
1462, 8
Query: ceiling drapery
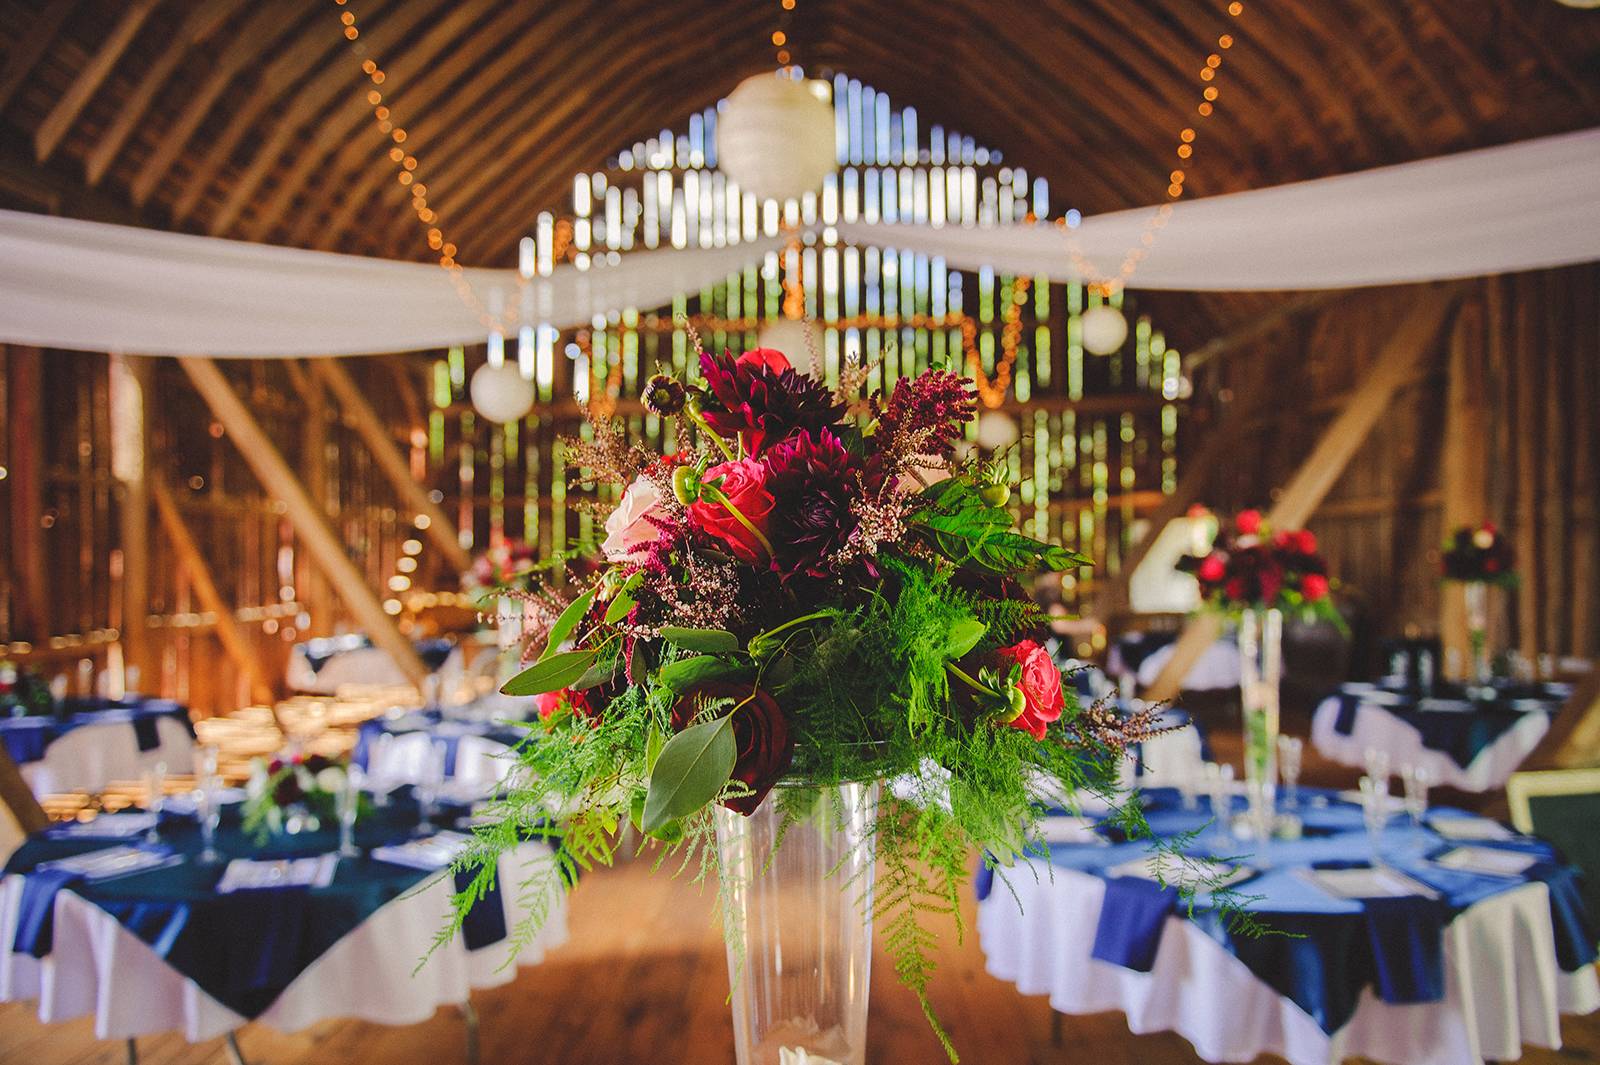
72, 284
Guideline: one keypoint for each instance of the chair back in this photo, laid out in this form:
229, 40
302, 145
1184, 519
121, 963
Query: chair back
1562, 806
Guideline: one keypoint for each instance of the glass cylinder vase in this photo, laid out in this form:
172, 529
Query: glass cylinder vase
797, 880
1476, 595
1260, 676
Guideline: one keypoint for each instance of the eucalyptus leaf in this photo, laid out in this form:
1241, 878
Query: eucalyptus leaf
558, 671
690, 771
705, 641
684, 674
567, 622
602, 671
621, 603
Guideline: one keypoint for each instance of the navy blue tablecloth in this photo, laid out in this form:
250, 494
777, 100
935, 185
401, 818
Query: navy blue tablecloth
1463, 734
246, 947
1320, 950
27, 738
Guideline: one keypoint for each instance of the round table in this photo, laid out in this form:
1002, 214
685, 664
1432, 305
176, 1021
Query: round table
1504, 966
164, 950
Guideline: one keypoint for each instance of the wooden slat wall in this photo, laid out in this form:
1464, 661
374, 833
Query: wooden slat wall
1532, 344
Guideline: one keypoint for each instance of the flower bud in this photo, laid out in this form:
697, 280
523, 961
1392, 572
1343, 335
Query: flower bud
686, 484
664, 396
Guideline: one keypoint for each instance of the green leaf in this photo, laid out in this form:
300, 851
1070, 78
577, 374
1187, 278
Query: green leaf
603, 670
550, 674
567, 622
705, 641
964, 636
654, 740
682, 675
692, 768
621, 603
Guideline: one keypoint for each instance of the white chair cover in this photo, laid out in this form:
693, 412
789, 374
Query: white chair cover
92, 756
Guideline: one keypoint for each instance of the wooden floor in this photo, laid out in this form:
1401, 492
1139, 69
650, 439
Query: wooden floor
643, 980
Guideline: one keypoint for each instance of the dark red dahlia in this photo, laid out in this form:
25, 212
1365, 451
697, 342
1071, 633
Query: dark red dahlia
925, 414
763, 400
813, 482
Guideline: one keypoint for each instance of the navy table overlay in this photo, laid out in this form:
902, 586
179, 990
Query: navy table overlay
27, 738
243, 948
443, 730
1456, 721
1321, 950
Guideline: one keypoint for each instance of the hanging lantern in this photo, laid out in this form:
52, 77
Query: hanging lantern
997, 430
500, 393
1104, 329
796, 338
776, 137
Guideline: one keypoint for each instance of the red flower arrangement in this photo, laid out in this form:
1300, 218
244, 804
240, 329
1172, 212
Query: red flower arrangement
1250, 567
1480, 554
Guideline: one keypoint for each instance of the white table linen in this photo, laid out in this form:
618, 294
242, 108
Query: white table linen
1503, 986
1376, 727
98, 969
91, 756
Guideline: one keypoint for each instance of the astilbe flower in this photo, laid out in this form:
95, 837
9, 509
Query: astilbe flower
814, 484
925, 415
763, 399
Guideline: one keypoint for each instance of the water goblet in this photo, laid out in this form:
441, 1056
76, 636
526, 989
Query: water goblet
349, 804
1186, 788
1376, 762
205, 761
1417, 779
1375, 814
155, 788
208, 810
1291, 750
430, 777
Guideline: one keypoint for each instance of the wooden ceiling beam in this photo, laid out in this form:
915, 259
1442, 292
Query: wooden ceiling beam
28, 44
201, 21
94, 73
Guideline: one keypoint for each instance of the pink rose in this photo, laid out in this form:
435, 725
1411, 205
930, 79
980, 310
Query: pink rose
1313, 586
744, 482
1308, 542
1248, 522
630, 529
1212, 569
1041, 686
771, 358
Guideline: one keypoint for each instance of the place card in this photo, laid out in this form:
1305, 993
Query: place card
1184, 872
248, 874
1490, 861
1470, 828
113, 862
1368, 882
428, 853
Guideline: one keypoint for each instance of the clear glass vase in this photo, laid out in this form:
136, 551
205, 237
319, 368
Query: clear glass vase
1476, 595
797, 880
1260, 675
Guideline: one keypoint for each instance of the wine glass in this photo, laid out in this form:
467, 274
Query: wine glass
1376, 762
1219, 785
1291, 750
208, 810
349, 803
155, 795
1417, 780
430, 778
1375, 814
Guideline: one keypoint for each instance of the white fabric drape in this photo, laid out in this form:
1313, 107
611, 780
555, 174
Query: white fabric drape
1522, 206
91, 286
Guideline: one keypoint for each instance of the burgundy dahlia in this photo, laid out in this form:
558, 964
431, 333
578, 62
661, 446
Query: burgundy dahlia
813, 482
763, 399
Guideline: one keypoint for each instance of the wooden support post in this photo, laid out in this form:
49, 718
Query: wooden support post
1465, 461
309, 522
314, 465
205, 589
24, 487
1338, 444
18, 797
389, 459
130, 390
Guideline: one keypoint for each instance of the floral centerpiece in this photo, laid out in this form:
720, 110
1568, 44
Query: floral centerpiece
507, 566
292, 794
1255, 575
1478, 557
788, 613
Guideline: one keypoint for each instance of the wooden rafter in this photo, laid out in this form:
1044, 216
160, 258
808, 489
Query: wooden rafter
90, 78
28, 44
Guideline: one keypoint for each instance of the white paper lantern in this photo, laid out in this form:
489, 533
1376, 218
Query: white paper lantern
500, 393
795, 337
775, 137
1104, 329
996, 430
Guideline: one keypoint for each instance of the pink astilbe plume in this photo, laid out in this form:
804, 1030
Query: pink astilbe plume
924, 417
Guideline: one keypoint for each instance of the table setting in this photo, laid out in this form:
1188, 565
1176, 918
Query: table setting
1472, 737
1364, 925
187, 915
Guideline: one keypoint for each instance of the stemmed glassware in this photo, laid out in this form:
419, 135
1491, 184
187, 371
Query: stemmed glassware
1219, 787
1417, 780
1375, 814
155, 797
1291, 750
429, 779
349, 803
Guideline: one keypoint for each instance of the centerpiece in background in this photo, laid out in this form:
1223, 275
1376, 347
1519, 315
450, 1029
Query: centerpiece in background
1476, 558
1255, 576
819, 597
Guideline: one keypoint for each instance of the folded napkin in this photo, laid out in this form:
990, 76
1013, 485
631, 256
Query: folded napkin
124, 825
36, 911
1463, 828
1407, 937
1488, 861
1359, 880
184, 804
1131, 920
485, 922
245, 874
428, 853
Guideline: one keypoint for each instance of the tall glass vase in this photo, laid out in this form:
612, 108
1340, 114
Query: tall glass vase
508, 622
797, 879
1260, 675
1476, 594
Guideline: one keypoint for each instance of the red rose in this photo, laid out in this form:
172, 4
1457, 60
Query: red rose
744, 482
1235, 589
1041, 686
1248, 522
550, 702
760, 733
1212, 568
1285, 540
1306, 540
771, 358
1314, 586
